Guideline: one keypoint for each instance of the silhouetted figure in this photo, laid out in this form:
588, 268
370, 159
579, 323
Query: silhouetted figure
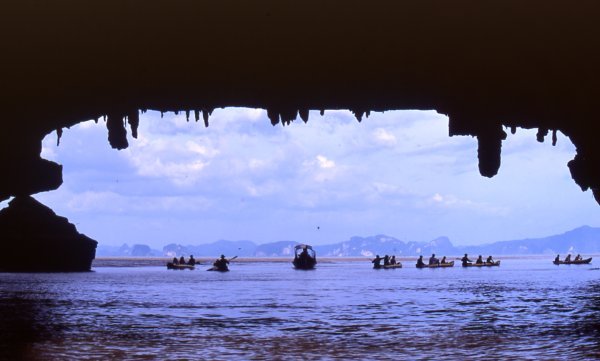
568, 258
175, 261
386, 260
304, 256
393, 260
443, 260
377, 262
578, 257
433, 260
192, 261
479, 260
181, 260
221, 264
557, 259
465, 260
490, 260
420, 262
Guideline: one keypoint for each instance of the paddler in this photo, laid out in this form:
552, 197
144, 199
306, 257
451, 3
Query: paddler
376, 262
221, 263
465, 260
479, 260
420, 262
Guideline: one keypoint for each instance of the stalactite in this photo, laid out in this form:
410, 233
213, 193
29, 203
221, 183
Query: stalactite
205, 114
273, 116
187, 115
358, 114
541, 134
59, 133
513, 129
322, 112
289, 115
489, 147
304, 114
133, 118
197, 115
117, 134
368, 113
554, 138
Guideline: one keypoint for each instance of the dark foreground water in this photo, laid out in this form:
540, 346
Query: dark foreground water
525, 309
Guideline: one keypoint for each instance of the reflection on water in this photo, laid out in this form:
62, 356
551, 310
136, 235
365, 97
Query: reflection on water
525, 310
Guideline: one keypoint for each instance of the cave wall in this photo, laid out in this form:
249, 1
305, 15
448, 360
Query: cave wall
488, 65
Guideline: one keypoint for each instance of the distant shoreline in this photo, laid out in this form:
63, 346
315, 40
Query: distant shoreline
161, 261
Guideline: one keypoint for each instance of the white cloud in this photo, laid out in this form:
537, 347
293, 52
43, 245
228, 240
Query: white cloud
453, 202
325, 163
384, 137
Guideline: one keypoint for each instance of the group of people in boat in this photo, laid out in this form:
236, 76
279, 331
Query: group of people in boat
387, 261
466, 261
433, 261
568, 258
181, 261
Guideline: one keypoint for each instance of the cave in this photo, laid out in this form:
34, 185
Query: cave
489, 66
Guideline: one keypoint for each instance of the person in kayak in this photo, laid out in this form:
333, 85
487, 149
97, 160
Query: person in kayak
393, 260
479, 260
557, 259
420, 262
386, 260
578, 257
489, 260
192, 261
465, 260
568, 258
433, 260
175, 261
221, 263
443, 261
181, 260
377, 262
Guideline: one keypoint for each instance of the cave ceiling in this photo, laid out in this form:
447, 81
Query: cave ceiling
491, 66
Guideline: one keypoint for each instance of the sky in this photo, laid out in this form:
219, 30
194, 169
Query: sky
396, 173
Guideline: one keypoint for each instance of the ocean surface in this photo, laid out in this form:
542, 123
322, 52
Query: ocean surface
343, 310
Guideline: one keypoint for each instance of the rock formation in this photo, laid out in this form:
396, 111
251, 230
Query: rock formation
34, 238
488, 65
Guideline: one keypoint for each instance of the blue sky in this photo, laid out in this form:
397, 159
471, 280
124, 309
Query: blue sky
396, 173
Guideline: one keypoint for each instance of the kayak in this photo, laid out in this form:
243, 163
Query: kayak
484, 264
441, 265
583, 261
392, 266
172, 265
217, 269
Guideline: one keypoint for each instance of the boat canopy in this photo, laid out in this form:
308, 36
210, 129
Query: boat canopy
300, 247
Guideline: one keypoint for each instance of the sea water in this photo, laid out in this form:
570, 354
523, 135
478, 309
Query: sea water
524, 309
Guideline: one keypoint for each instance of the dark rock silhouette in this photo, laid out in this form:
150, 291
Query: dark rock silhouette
485, 64
34, 238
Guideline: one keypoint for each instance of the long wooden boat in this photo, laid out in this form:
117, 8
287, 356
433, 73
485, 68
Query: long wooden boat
440, 265
484, 264
172, 265
583, 261
392, 266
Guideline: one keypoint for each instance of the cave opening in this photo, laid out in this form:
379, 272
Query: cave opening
241, 178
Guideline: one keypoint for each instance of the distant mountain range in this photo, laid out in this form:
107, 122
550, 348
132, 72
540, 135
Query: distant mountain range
584, 240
